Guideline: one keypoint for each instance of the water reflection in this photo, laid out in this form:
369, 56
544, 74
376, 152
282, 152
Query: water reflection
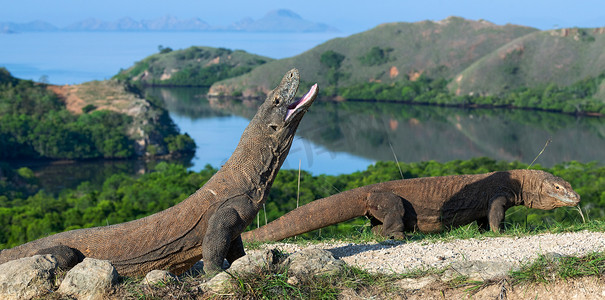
55, 176
369, 131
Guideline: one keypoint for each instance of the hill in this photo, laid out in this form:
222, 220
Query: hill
453, 62
194, 66
388, 53
107, 119
559, 57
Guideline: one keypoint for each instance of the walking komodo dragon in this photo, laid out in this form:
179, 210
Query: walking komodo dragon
208, 223
428, 204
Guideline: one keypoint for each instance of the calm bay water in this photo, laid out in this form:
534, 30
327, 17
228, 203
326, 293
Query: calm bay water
343, 137
333, 138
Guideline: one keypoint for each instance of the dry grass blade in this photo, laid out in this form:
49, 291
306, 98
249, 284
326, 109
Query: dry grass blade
396, 160
581, 213
541, 151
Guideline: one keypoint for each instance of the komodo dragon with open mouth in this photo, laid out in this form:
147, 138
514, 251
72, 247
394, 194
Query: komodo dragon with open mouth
427, 204
208, 223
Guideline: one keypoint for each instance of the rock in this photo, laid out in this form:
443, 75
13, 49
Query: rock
90, 279
416, 283
216, 284
477, 270
313, 261
159, 276
28, 277
251, 263
302, 264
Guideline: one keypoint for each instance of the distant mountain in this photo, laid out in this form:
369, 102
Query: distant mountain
282, 20
166, 23
10, 27
275, 21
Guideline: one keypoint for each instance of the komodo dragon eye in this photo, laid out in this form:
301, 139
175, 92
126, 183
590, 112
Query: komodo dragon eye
276, 100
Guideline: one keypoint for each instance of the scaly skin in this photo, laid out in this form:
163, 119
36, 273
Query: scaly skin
428, 204
208, 223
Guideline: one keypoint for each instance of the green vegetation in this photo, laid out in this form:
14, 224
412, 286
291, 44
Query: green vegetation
331, 61
194, 66
26, 214
575, 98
376, 56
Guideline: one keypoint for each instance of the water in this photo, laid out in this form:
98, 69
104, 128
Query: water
76, 57
217, 126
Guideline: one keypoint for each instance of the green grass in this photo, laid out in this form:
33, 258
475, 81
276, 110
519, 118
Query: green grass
546, 269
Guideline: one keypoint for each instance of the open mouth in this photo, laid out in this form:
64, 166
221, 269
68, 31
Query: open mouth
308, 97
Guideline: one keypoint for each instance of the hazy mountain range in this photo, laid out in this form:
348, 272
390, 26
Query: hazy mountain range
274, 21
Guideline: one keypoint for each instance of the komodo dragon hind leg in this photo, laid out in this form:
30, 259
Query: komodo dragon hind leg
387, 208
495, 215
66, 257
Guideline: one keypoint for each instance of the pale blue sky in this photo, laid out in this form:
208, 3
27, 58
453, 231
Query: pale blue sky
349, 16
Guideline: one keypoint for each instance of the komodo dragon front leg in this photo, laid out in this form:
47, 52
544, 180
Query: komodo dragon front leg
386, 212
226, 221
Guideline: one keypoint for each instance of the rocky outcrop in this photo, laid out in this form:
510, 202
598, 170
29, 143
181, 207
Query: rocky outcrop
150, 125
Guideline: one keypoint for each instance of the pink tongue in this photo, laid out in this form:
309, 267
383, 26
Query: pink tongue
292, 108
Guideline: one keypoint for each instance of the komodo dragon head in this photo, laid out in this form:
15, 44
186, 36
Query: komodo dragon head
280, 114
550, 192
266, 141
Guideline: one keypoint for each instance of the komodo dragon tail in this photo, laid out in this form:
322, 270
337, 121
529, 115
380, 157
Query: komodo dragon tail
315, 215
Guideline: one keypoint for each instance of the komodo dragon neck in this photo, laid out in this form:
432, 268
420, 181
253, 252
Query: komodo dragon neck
209, 222
428, 204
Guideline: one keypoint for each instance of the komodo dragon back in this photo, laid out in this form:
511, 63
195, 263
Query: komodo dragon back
208, 223
428, 204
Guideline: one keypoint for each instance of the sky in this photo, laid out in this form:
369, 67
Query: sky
350, 16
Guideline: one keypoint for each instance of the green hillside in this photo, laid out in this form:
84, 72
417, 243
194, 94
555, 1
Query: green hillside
388, 53
194, 66
561, 57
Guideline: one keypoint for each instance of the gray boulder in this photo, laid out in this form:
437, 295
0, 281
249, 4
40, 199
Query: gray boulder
159, 276
300, 265
310, 262
251, 263
91, 279
28, 277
